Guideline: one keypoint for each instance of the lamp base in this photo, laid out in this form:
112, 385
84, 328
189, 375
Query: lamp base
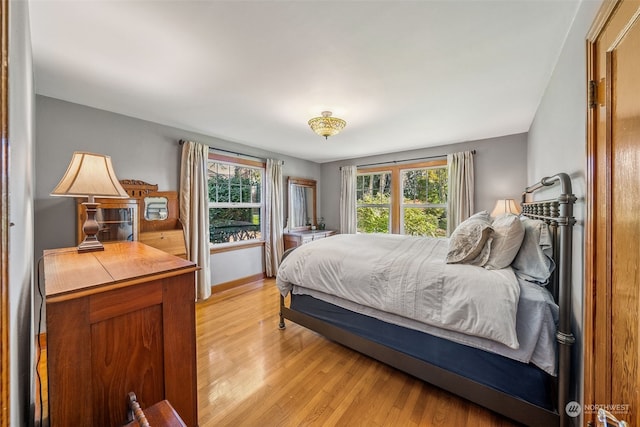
90, 229
90, 246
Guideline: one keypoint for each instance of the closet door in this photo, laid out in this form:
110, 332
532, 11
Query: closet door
612, 288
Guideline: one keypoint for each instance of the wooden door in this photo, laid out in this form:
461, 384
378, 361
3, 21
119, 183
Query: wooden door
612, 286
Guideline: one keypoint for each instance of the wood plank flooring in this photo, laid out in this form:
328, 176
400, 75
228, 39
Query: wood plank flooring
250, 373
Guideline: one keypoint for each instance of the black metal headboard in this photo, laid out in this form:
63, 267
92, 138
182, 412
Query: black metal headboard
558, 214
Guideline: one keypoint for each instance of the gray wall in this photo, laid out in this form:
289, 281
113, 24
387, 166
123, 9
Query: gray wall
139, 150
21, 179
499, 164
557, 143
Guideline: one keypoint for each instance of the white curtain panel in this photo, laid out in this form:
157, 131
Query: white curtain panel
274, 217
194, 212
461, 188
348, 214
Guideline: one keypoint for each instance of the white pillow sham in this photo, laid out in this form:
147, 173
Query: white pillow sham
508, 233
470, 242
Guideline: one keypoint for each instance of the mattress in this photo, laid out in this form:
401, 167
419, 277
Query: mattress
404, 280
536, 321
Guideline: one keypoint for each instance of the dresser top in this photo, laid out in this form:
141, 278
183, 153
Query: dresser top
69, 274
309, 232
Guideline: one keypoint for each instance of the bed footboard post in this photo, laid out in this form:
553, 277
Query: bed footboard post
564, 334
281, 325
563, 218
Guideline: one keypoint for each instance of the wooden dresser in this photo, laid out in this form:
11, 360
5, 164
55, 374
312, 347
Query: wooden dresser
170, 241
297, 238
119, 320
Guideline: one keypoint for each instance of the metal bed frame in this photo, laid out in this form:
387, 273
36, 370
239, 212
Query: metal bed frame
558, 213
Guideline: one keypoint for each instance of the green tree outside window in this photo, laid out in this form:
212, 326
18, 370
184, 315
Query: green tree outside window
423, 207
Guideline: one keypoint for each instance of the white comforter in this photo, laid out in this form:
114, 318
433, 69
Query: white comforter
408, 276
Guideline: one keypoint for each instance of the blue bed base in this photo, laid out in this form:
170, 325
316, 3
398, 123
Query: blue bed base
525, 381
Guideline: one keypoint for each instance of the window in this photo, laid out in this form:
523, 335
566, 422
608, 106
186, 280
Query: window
235, 200
407, 199
424, 202
374, 202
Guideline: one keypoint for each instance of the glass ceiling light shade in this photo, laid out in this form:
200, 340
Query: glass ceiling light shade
504, 206
90, 175
326, 125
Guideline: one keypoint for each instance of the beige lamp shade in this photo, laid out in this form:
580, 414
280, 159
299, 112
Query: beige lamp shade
505, 206
90, 175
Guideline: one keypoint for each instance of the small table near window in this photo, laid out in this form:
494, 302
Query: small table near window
297, 238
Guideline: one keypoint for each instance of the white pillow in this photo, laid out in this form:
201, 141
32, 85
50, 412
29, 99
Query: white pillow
470, 242
508, 233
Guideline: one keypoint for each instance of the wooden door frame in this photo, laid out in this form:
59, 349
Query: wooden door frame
589, 335
4, 214
597, 299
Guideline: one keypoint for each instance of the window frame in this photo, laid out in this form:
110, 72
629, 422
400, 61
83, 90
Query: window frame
379, 205
241, 162
396, 186
427, 205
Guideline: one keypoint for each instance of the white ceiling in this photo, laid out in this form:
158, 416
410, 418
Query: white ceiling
403, 74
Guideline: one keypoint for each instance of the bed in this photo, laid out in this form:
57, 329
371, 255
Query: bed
480, 323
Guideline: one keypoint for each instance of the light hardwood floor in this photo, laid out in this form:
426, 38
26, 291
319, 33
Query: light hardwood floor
250, 373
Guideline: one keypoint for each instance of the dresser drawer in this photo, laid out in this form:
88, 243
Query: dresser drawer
294, 239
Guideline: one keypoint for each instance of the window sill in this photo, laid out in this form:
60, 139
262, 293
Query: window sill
235, 246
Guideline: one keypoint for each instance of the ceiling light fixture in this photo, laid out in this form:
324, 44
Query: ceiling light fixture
326, 125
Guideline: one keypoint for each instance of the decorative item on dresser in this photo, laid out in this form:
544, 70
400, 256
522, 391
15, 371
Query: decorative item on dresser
302, 203
118, 320
148, 215
91, 175
158, 213
117, 220
302, 217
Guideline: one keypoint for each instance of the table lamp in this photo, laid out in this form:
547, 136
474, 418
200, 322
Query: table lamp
90, 175
505, 206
